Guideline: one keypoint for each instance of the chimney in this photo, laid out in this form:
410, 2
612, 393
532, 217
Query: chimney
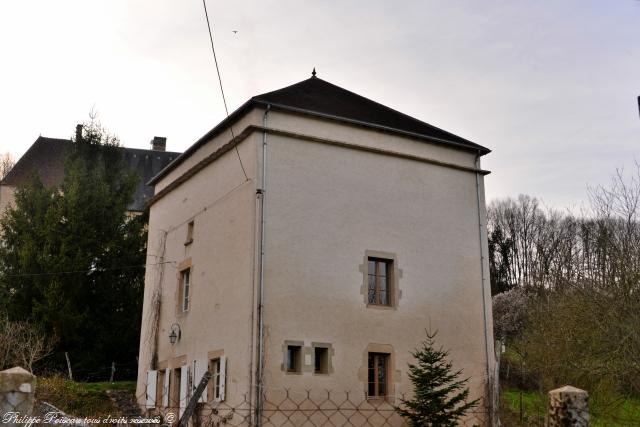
159, 143
78, 132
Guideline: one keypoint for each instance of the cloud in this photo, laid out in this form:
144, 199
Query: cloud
550, 87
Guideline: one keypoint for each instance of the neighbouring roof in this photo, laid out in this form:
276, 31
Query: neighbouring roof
320, 98
46, 157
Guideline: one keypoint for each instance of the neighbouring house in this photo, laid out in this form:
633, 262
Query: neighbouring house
305, 243
46, 157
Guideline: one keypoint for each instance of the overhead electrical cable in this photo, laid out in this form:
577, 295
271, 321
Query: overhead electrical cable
224, 99
95, 270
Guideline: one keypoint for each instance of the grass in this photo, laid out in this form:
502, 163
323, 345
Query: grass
625, 413
80, 399
106, 385
533, 408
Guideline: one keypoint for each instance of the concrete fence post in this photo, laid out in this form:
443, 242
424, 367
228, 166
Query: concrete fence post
17, 393
568, 406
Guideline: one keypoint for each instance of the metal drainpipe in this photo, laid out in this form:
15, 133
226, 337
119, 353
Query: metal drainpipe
483, 281
261, 192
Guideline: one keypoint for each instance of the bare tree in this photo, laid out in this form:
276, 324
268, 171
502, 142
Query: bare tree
6, 164
582, 277
23, 344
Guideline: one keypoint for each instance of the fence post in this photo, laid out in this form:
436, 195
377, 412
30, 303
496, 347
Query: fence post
66, 355
17, 390
568, 406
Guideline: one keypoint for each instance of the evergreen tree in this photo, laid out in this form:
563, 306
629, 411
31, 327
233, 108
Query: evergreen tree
439, 396
500, 250
72, 257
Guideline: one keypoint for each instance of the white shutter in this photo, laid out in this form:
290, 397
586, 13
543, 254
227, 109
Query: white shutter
184, 370
223, 376
165, 388
152, 380
199, 368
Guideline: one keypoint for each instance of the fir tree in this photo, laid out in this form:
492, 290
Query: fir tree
72, 257
439, 396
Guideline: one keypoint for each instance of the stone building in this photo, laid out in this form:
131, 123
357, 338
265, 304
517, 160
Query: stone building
46, 158
306, 242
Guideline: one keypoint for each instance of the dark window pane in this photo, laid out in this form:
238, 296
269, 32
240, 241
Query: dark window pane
372, 267
382, 367
372, 375
382, 375
322, 360
383, 298
293, 358
216, 376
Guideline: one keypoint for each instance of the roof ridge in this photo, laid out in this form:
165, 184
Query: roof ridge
336, 103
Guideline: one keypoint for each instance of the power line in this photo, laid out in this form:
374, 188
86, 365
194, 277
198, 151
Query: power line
97, 270
224, 99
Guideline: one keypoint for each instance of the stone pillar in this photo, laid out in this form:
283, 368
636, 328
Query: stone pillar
17, 391
568, 406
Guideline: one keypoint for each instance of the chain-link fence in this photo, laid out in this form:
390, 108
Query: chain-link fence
289, 408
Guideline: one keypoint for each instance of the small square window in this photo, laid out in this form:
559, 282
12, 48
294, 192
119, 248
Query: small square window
185, 289
321, 360
189, 234
294, 353
379, 281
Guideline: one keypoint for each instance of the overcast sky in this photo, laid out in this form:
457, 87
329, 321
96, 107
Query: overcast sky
550, 86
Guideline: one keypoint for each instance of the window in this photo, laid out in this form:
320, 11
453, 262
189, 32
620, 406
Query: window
293, 358
189, 234
378, 371
321, 360
216, 379
217, 368
379, 275
185, 284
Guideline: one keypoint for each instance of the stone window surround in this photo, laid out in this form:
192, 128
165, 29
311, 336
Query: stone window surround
307, 353
330, 353
303, 352
211, 356
393, 373
396, 273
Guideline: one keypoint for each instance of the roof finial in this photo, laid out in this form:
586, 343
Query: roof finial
313, 73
